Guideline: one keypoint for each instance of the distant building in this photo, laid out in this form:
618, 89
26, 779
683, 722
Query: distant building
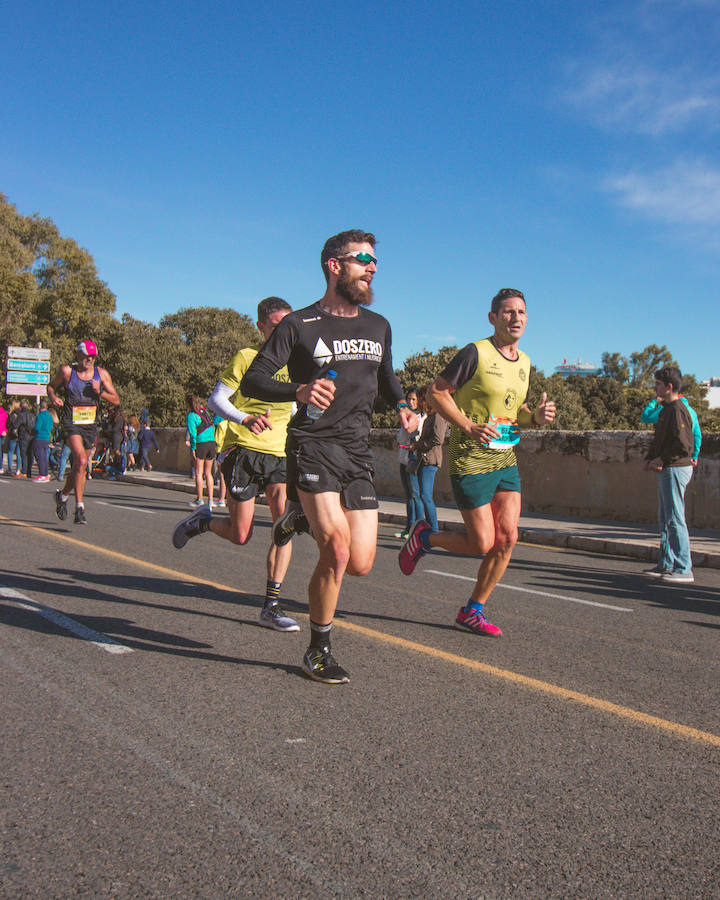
713, 392
577, 368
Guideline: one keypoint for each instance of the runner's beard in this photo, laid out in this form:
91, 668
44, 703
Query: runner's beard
350, 290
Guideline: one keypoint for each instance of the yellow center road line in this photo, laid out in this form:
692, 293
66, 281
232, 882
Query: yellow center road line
104, 551
545, 687
536, 684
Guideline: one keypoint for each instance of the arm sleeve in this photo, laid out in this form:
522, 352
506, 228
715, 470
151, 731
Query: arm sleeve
154, 440
651, 413
219, 402
388, 383
258, 381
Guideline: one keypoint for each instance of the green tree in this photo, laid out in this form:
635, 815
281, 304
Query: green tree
50, 291
211, 336
148, 366
424, 367
616, 367
567, 396
420, 369
645, 363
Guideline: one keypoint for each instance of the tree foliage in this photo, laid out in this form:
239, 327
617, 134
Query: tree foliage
50, 292
420, 369
613, 400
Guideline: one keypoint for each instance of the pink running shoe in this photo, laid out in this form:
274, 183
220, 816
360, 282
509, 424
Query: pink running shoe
413, 548
476, 621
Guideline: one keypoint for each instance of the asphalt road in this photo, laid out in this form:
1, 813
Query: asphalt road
157, 743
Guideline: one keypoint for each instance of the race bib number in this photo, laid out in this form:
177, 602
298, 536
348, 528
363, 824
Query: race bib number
509, 433
83, 415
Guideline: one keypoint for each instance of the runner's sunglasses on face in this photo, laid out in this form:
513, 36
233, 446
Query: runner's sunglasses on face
359, 256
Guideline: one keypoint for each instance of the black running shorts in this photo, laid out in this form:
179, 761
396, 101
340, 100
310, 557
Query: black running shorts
88, 433
320, 467
247, 473
205, 450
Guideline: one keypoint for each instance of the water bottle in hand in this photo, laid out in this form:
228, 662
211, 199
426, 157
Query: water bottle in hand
314, 412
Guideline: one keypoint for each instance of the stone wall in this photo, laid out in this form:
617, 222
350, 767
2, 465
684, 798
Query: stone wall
592, 474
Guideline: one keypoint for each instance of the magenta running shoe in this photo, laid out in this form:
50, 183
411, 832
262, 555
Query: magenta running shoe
413, 548
476, 621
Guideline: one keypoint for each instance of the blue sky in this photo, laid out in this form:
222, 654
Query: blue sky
203, 153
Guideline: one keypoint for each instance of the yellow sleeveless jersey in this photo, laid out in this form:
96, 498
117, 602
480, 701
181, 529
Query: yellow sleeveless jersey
498, 387
272, 440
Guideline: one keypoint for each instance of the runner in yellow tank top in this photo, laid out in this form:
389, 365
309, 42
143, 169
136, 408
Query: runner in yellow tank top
252, 460
482, 394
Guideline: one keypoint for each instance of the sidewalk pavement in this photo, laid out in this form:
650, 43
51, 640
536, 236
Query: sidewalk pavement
593, 535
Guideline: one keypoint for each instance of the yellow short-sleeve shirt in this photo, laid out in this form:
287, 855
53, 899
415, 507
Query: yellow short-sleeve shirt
272, 440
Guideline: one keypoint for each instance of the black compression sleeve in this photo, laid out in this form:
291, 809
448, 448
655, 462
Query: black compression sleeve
388, 383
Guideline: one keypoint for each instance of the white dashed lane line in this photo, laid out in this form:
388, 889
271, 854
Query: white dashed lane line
512, 587
110, 645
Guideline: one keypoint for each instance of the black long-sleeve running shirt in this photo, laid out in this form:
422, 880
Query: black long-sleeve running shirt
311, 341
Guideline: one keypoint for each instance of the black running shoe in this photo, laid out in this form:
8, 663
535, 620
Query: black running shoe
60, 505
196, 523
293, 521
321, 665
80, 516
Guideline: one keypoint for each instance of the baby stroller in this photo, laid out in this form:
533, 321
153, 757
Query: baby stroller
54, 458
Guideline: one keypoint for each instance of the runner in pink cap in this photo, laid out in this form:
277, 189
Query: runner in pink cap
87, 348
85, 384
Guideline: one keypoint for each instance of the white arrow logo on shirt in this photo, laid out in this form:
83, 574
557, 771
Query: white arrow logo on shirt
322, 354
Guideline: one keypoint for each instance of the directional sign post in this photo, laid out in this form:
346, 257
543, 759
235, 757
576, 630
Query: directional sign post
28, 371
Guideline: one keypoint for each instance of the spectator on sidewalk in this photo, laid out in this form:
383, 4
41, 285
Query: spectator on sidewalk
3, 437
670, 455
429, 455
408, 479
133, 427
201, 429
118, 438
25, 430
146, 441
42, 434
13, 453
651, 414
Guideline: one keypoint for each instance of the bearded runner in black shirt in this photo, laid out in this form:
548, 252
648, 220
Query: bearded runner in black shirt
329, 461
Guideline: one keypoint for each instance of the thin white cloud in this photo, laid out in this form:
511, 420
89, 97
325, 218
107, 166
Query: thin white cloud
686, 193
638, 98
650, 67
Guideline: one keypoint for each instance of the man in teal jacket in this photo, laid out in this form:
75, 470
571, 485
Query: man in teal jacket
41, 441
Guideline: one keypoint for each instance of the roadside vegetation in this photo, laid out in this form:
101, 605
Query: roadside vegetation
50, 292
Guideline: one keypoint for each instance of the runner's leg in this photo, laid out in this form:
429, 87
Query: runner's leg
236, 528
198, 465
505, 508
363, 539
278, 558
75, 481
476, 540
331, 531
209, 480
